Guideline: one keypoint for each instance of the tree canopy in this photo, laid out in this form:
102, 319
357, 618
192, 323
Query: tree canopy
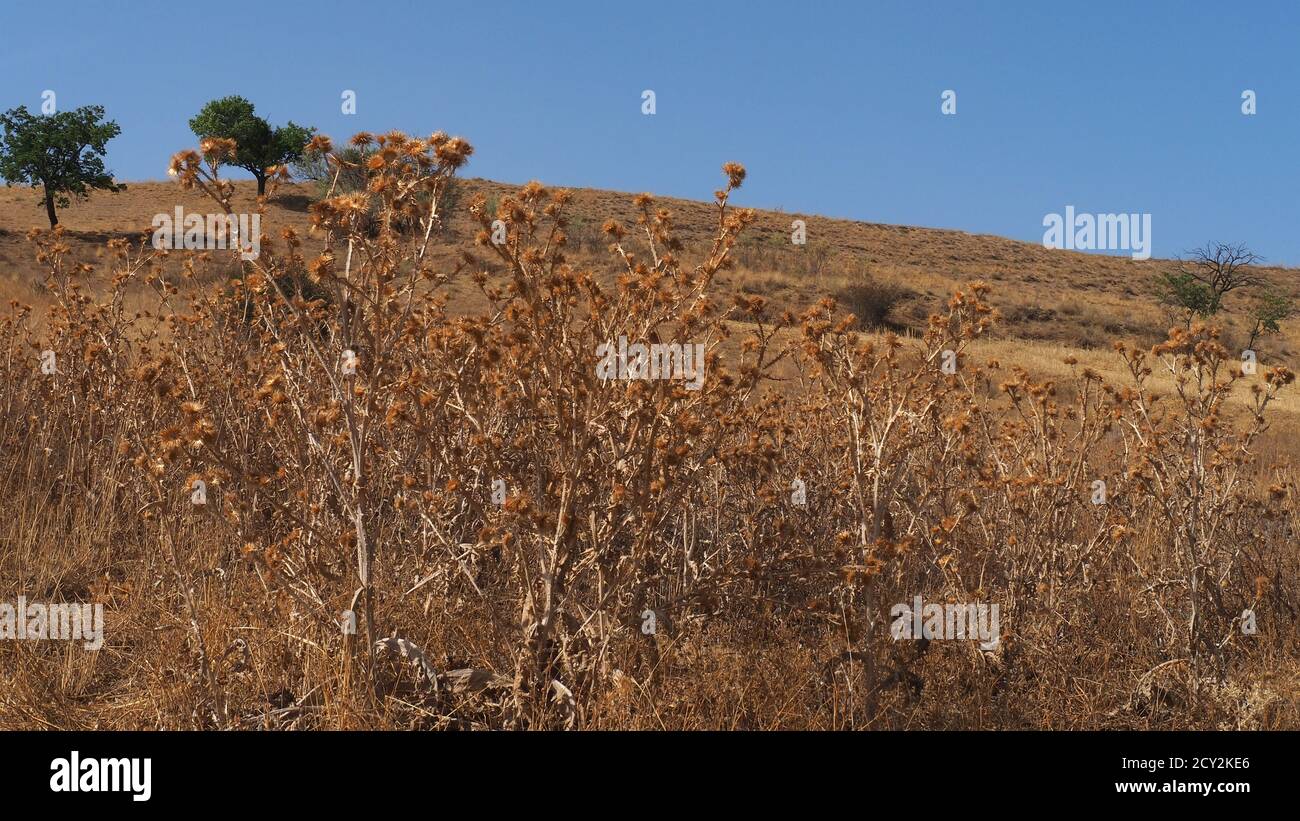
259, 145
62, 153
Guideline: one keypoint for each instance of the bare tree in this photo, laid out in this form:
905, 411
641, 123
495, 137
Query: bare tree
1222, 267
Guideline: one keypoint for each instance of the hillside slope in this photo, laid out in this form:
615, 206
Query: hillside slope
1073, 299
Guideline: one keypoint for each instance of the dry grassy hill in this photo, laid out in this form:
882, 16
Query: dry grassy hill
1073, 299
1053, 304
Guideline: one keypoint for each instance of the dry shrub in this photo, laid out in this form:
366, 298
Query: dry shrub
872, 301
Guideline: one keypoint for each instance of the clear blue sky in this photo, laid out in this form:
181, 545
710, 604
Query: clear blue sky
833, 108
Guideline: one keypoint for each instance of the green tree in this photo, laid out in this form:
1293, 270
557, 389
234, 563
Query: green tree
259, 145
1182, 291
1269, 312
63, 153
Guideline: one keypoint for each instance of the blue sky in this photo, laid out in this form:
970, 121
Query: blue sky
833, 107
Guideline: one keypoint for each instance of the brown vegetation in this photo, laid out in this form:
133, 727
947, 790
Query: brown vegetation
369, 488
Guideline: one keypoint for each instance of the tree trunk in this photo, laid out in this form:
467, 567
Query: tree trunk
261, 184
49, 207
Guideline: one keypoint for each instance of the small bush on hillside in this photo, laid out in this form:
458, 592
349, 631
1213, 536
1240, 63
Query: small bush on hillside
871, 301
1183, 292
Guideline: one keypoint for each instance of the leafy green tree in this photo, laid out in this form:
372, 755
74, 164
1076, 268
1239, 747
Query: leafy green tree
1273, 307
63, 153
259, 145
1184, 292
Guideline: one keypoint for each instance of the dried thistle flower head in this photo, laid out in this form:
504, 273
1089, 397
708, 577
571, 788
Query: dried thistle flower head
735, 174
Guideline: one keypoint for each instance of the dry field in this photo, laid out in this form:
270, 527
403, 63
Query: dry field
422, 507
